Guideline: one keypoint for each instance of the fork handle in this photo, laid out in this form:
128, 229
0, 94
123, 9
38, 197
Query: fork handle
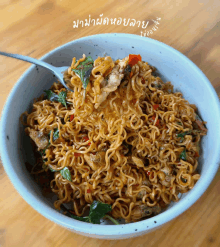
29, 60
56, 71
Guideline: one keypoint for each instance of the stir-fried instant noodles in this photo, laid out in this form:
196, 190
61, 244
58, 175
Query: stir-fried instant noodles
123, 138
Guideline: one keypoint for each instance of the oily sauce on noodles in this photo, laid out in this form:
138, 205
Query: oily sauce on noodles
127, 139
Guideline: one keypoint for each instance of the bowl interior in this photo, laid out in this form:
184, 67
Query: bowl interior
171, 66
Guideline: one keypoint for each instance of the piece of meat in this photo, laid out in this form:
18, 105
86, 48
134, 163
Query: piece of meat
94, 161
167, 170
98, 157
88, 160
39, 138
143, 210
201, 125
146, 182
122, 64
138, 161
114, 80
141, 194
167, 181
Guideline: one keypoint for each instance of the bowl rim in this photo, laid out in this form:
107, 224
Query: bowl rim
108, 230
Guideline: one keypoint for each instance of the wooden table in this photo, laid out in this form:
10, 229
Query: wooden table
35, 27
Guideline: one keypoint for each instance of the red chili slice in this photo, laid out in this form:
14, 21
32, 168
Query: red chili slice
77, 154
85, 139
158, 121
155, 106
71, 117
133, 59
88, 191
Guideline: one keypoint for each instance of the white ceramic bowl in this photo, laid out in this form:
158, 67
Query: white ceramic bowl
171, 64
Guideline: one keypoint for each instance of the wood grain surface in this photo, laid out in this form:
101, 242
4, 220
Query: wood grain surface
34, 27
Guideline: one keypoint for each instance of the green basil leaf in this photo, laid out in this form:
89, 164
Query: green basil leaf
55, 134
68, 213
45, 167
51, 95
180, 135
85, 219
97, 211
52, 170
65, 172
88, 62
184, 133
62, 98
183, 155
84, 69
112, 219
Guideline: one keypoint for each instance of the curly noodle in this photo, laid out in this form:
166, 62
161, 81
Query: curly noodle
126, 150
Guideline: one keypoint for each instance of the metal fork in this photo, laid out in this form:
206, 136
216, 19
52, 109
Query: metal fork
57, 71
